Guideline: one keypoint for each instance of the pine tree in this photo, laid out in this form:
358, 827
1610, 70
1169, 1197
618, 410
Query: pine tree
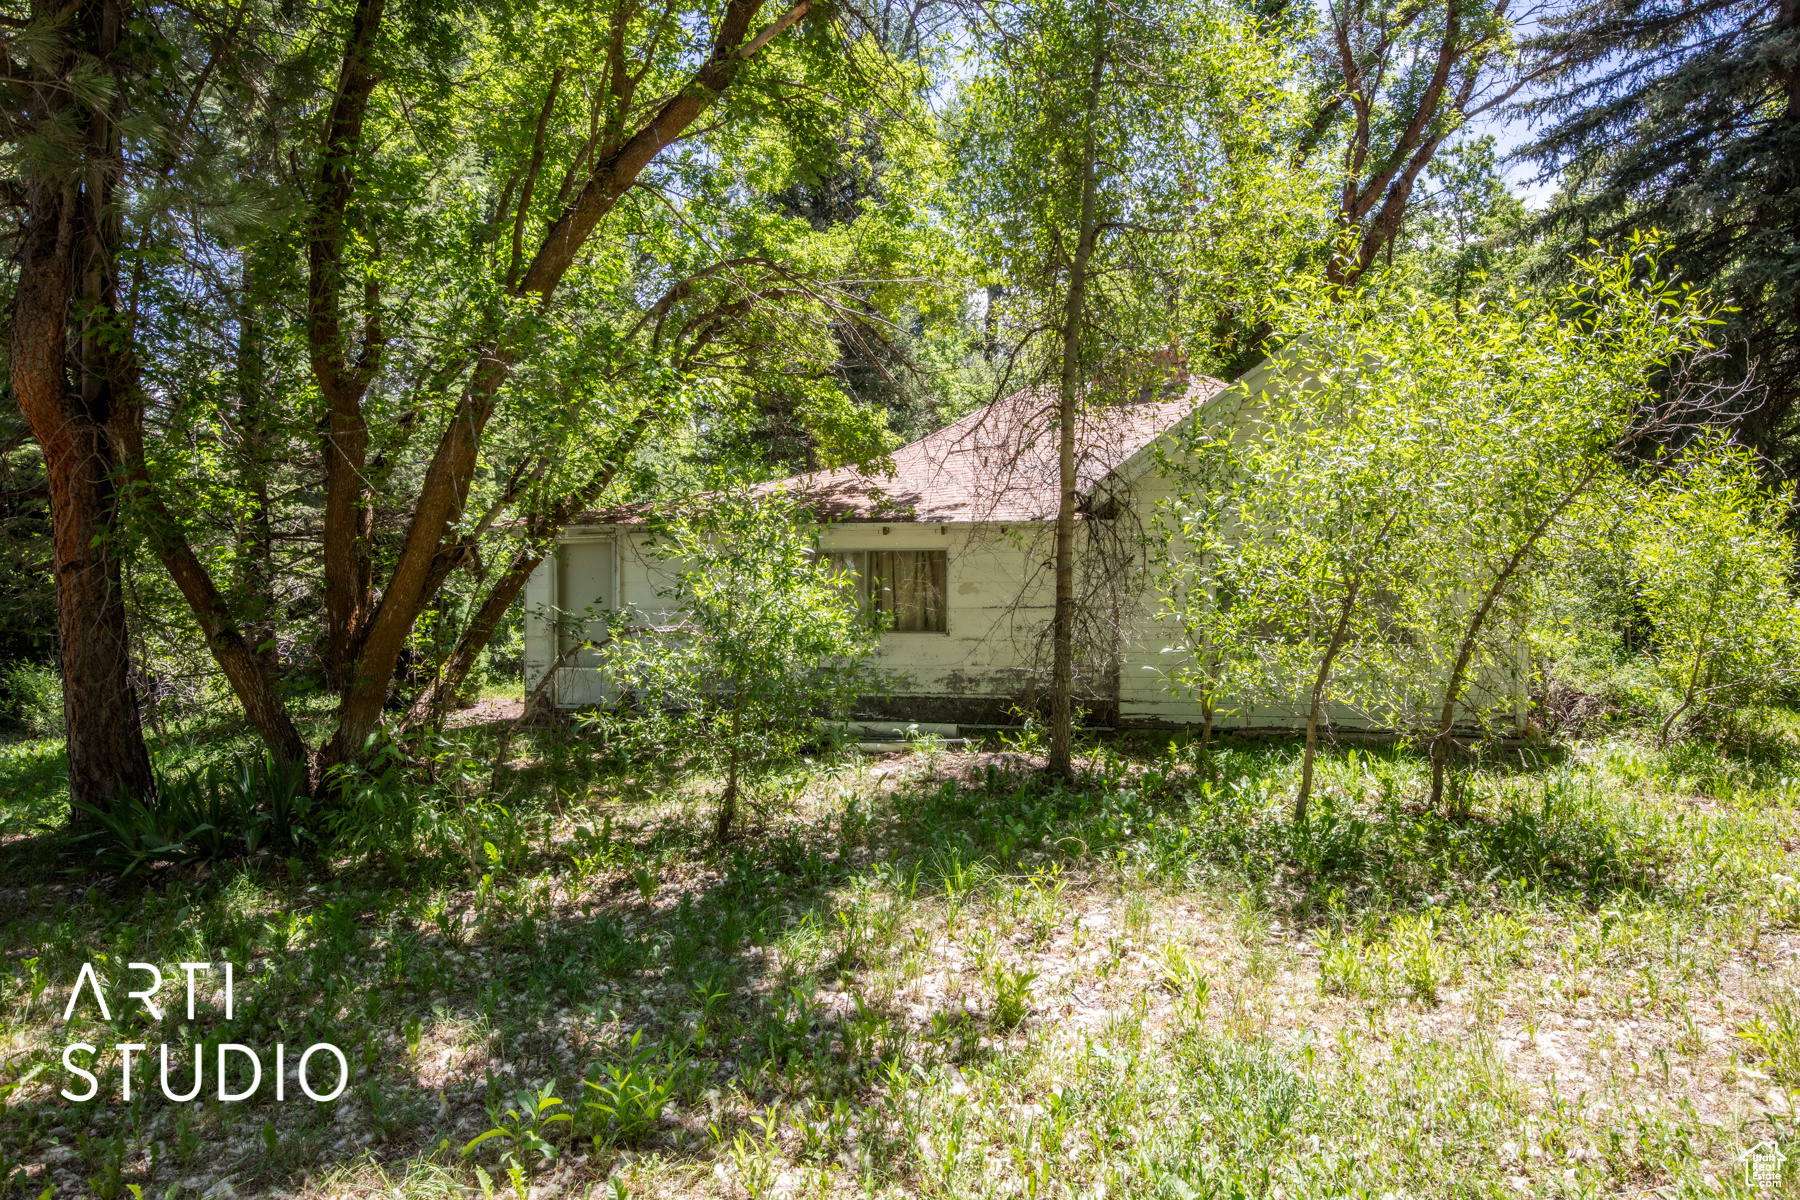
1685, 116
67, 144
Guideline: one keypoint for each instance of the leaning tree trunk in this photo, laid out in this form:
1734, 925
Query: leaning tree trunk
1062, 677
450, 472
1340, 635
434, 702
1315, 707
1465, 650
70, 236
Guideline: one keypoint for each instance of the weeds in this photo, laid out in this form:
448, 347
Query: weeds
1217, 1001
629, 1097
520, 1126
1775, 1038
1012, 992
1415, 947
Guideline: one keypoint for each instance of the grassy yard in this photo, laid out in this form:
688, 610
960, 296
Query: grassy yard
936, 975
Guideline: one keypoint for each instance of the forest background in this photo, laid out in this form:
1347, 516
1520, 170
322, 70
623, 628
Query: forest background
324, 325
325, 320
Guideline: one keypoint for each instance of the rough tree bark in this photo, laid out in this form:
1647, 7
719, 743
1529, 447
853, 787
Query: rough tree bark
1062, 675
68, 386
343, 381
366, 636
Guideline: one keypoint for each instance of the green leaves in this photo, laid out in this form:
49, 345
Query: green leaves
206, 814
1364, 514
1713, 556
1196, 207
760, 639
628, 1097
522, 1126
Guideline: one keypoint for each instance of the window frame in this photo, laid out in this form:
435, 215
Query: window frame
856, 563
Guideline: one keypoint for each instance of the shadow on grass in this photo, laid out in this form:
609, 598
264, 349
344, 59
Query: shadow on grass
34, 780
566, 961
1368, 841
632, 947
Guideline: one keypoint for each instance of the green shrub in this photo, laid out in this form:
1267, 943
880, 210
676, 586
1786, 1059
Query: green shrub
763, 641
1714, 555
31, 698
375, 809
214, 813
1012, 992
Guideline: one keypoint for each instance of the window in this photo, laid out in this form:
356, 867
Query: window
902, 591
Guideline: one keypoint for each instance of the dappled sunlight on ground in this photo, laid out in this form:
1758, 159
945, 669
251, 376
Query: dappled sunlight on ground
939, 974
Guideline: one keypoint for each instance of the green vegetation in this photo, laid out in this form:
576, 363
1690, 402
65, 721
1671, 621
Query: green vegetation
760, 642
1715, 559
943, 974
327, 325
1363, 526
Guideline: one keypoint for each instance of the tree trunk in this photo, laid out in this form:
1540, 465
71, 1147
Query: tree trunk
257, 431
1316, 707
1465, 651
1062, 676
728, 802
67, 260
249, 676
342, 381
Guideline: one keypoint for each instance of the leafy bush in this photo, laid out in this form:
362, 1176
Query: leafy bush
1361, 524
1714, 558
31, 698
521, 1125
213, 813
761, 640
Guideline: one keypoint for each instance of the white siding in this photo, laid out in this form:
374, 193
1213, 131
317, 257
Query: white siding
999, 607
576, 588
540, 640
996, 608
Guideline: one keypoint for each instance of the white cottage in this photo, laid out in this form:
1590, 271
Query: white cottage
953, 552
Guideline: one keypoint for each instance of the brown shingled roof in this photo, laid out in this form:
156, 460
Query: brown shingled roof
999, 462
996, 464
